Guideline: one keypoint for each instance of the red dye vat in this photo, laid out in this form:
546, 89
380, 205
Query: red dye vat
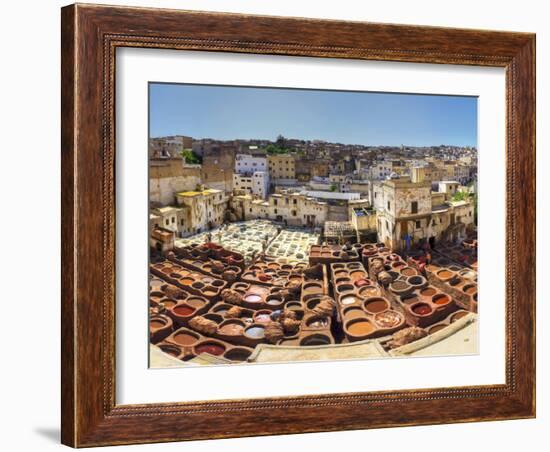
213, 349
361, 282
422, 309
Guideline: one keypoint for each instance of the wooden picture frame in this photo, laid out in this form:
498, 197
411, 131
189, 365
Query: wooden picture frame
90, 36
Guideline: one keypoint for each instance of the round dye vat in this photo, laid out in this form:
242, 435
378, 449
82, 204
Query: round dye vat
238, 354
470, 289
408, 271
436, 328
428, 292
315, 339
186, 281
169, 303
155, 283
422, 309
155, 324
357, 275
360, 328
318, 323
171, 350
369, 291
210, 292
183, 310
256, 332
354, 313
399, 286
376, 305
349, 299
388, 319
253, 298
196, 303
212, 348
232, 329
441, 299
361, 282
444, 274
185, 338
263, 318
458, 315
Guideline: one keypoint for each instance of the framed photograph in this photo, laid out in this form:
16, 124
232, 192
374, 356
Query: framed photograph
282, 225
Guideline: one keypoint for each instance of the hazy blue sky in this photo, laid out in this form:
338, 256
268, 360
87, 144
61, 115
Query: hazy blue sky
221, 112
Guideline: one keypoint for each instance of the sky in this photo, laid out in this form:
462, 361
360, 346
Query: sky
372, 119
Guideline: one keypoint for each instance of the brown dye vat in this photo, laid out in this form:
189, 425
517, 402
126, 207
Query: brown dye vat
183, 310
231, 329
358, 274
354, 313
376, 305
428, 292
441, 299
436, 328
156, 324
185, 338
360, 327
458, 315
408, 271
196, 303
169, 303
470, 289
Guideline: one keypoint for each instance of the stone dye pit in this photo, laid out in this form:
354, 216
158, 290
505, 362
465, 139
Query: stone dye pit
227, 302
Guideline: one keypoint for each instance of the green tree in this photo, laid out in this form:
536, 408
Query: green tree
190, 157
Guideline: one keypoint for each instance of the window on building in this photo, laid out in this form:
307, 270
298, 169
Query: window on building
414, 207
389, 205
274, 202
418, 224
295, 201
433, 222
293, 213
167, 222
181, 222
275, 211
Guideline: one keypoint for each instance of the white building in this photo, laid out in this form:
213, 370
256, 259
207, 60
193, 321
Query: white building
256, 183
245, 163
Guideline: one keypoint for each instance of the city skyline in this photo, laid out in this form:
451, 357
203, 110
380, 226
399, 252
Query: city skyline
249, 113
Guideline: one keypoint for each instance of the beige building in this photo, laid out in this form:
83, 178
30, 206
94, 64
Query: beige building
169, 176
281, 167
203, 210
293, 209
408, 212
